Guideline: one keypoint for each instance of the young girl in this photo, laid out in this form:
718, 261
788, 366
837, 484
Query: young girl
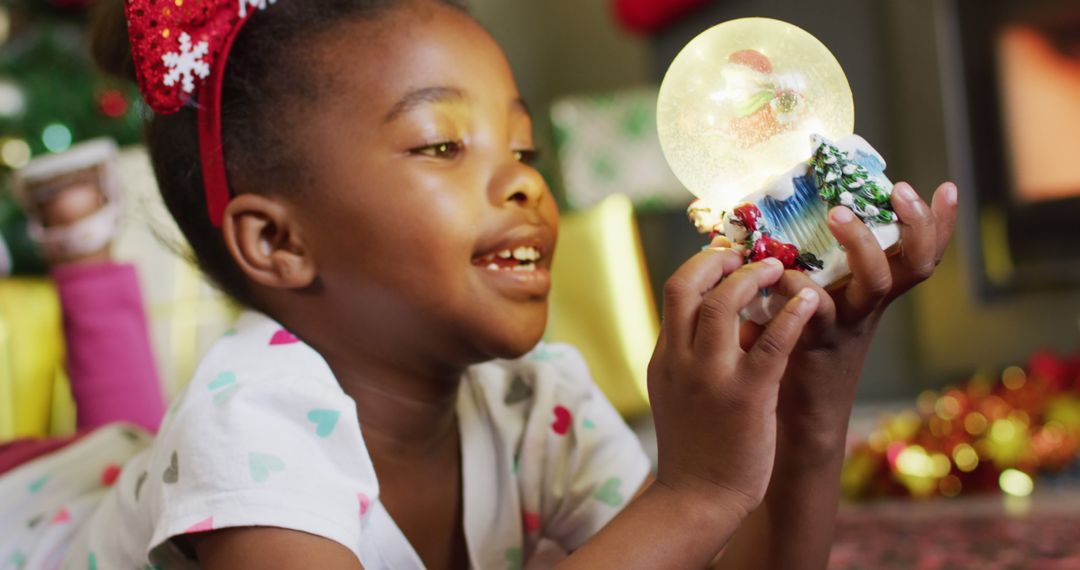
359, 173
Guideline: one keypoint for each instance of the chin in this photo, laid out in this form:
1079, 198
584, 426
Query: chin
516, 342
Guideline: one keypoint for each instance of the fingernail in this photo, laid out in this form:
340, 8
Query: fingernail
773, 262
950, 194
841, 215
807, 298
906, 193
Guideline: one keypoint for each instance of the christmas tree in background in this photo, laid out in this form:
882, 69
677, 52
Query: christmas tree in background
51, 95
842, 182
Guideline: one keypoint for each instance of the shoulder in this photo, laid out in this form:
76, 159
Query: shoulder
259, 347
256, 383
262, 436
257, 363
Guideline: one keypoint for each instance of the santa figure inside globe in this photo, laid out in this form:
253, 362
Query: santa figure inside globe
763, 103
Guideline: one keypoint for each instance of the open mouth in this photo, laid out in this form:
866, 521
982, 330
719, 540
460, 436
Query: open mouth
519, 258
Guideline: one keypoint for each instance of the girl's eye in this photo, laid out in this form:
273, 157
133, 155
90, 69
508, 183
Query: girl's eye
527, 156
447, 150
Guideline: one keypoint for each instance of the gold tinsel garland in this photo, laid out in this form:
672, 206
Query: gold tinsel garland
987, 434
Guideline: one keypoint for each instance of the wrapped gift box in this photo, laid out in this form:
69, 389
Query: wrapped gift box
608, 144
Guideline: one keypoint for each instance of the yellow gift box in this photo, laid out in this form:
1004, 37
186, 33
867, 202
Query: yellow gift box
601, 301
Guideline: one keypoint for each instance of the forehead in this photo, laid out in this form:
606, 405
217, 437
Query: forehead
374, 63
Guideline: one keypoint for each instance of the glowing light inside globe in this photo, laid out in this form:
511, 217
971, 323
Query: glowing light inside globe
740, 103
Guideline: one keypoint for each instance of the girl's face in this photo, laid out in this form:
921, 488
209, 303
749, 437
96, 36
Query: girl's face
419, 149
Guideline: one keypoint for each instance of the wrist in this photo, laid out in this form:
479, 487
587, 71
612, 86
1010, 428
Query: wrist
805, 446
706, 504
664, 527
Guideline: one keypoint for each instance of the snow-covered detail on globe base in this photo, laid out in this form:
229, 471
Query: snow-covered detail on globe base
791, 213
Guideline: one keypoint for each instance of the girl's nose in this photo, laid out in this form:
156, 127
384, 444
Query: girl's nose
520, 184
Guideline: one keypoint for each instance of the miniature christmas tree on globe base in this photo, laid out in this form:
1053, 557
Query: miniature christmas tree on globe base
844, 182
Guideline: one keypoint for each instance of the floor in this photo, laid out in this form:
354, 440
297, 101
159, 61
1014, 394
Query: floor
987, 532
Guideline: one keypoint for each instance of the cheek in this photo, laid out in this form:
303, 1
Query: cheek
403, 235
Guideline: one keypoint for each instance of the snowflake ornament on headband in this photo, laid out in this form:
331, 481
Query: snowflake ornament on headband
179, 48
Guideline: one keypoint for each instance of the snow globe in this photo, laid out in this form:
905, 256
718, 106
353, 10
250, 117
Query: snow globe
756, 118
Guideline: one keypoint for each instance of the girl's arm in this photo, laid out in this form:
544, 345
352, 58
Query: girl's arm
794, 527
707, 394
270, 548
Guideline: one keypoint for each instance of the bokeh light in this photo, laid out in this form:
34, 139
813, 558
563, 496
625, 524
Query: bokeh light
975, 423
15, 153
965, 457
1016, 483
57, 137
12, 100
5, 24
1013, 377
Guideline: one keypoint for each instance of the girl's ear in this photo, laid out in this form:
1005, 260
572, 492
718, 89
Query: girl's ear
265, 240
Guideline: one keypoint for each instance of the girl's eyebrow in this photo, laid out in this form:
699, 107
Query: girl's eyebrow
423, 96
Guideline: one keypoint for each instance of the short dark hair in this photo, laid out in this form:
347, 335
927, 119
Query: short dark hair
266, 70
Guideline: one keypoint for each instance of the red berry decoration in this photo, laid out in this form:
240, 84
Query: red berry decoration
767, 246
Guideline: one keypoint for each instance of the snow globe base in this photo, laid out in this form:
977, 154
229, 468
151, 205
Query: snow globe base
788, 218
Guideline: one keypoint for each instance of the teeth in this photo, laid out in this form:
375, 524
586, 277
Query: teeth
526, 256
526, 253
529, 266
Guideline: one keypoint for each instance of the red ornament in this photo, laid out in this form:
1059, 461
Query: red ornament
112, 103
1059, 372
649, 16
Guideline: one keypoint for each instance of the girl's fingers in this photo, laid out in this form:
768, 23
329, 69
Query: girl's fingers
749, 331
871, 275
767, 359
720, 241
794, 281
683, 292
918, 238
717, 330
789, 285
945, 206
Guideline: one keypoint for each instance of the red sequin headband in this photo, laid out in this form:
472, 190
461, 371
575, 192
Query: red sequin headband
179, 46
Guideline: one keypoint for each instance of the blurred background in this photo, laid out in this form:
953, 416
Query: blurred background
985, 93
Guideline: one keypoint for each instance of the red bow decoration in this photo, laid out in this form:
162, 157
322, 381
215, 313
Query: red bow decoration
180, 48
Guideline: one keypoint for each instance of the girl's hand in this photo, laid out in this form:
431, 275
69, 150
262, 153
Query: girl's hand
715, 403
829, 356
